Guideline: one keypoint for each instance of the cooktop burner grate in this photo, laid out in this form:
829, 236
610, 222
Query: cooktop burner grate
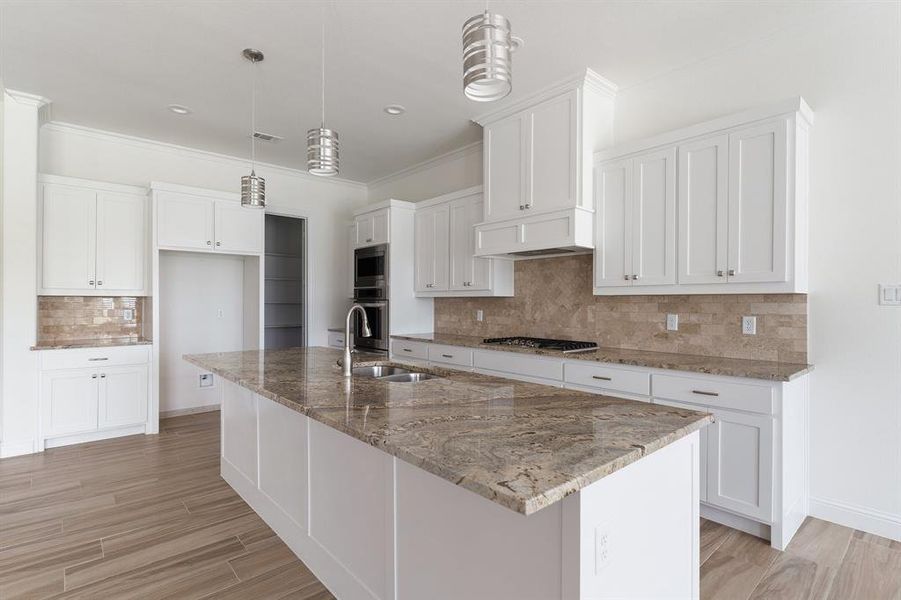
542, 343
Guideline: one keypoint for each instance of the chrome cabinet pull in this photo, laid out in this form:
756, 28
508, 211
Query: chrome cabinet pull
447, 355
368, 239
703, 393
528, 205
218, 243
634, 277
91, 282
719, 273
99, 358
99, 282
602, 378
209, 243
522, 207
406, 350
731, 272
626, 277
103, 376
94, 376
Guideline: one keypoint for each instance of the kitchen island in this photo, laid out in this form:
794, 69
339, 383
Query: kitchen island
461, 486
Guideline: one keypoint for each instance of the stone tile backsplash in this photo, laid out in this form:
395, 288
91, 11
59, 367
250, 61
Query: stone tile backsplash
69, 318
554, 299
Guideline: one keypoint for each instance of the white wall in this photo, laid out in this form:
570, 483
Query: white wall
18, 277
195, 289
847, 64
327, 204
440, 175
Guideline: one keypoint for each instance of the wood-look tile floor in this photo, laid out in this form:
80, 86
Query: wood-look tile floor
149, 517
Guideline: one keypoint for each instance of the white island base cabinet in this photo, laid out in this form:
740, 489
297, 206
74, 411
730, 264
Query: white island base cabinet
371, 526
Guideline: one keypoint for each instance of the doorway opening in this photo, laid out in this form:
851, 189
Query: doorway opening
285, 317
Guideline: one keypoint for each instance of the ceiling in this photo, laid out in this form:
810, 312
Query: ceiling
117, 64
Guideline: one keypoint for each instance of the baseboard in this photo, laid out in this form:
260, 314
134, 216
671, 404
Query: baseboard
94, 436
755, 528
9, 449
877, 522
180, 412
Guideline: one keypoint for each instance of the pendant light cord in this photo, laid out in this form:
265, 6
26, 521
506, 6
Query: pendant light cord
322, 124
253, 114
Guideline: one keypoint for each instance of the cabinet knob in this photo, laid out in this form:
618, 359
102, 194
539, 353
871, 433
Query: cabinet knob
209, 243
731, 272
634, 277
91, 282
719, 273
522, 207
99, 282
528, 205
218, 243
103, 376
626, 277
94, 376
368, 239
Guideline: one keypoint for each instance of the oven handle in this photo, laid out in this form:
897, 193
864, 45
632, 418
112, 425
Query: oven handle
372, 304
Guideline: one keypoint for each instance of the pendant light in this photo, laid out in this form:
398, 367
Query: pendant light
322, 143
488, 47
253, 187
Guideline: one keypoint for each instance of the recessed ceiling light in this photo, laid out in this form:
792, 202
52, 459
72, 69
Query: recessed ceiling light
395, 110
179, 109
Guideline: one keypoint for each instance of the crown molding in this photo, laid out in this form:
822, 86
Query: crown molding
26, 98
586, 78
428, 163
178, 150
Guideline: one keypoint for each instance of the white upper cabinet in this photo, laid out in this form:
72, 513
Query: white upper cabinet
636, 221
431, 249
741, 200
537, 164
93, 238
444, 258
703, 209
371, 228
757, 203
203, 220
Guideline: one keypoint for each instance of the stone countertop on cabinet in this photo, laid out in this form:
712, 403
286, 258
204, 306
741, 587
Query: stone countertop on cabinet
692, 363
522, 445
91, 343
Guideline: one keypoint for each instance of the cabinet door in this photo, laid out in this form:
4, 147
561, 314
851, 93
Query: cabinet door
431, 249
466, 271
239, 429
654, 218
613, 232
68, 238
184, 221
740, 463
123, 396
703, 210
480, 278
703, 452
238, 229
552, 164
380, 230
68, 401
758, 217
121, 243
504, 167
364, 230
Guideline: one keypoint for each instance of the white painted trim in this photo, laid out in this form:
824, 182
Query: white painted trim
27, 98
724, 517
16, 449
180, 412
586, 78
390, 203
428, 163
796, 105
93, 436
106, 186
449, 197
178, 150
859, 517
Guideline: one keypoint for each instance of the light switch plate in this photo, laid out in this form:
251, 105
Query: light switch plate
749, 325
206, 380
480, 315
672, 322
890, 294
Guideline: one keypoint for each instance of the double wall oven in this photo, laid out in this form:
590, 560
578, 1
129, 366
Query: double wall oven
371, 292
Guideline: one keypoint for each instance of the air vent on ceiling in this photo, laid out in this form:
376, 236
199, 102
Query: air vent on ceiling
267, 137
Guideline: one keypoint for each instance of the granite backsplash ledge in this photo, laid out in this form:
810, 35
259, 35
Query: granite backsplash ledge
64, 319
554, 299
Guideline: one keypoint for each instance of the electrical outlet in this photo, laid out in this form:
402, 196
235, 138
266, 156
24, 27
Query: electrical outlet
749, 325
672, 322
219, 313
890, 294
128, 314
601, 548
480, 315
206, 380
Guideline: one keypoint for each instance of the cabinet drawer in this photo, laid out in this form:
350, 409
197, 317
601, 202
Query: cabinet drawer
721, 394
452, 355
79, 358
408, 349
608, 378
521, 364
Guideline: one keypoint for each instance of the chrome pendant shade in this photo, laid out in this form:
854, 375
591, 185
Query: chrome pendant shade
253, 187
488, 47
322, 152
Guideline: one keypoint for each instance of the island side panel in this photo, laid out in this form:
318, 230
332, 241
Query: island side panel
640, 527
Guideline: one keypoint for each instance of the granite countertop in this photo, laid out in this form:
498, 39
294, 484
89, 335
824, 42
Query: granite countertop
91, 343
522, 445
693, 363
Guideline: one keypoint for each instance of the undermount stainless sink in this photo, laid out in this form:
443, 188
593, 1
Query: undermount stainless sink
408, 377
378, 371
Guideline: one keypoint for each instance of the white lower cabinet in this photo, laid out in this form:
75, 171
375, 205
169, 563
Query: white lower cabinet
239, 430
89, 394
744, 463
